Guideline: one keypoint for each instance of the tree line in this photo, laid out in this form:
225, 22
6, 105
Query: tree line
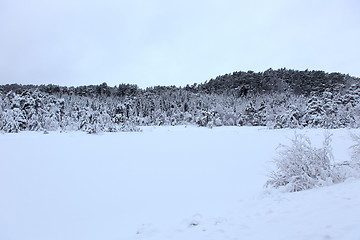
274, 98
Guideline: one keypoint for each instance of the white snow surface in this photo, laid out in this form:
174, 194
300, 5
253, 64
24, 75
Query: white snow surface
166, 183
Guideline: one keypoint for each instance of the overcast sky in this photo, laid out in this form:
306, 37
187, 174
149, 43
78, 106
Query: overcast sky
170, 42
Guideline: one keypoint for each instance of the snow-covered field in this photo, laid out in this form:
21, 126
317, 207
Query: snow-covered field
165, 183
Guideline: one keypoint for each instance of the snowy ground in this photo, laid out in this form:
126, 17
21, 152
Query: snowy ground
165, 183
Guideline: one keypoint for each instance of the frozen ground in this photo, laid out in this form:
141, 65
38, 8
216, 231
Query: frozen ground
165, 183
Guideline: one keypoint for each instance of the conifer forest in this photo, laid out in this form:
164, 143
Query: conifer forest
274, 98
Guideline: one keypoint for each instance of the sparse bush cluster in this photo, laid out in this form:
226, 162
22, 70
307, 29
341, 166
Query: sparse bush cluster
301, 166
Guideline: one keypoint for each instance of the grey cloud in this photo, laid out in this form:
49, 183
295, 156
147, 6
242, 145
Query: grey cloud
172, 42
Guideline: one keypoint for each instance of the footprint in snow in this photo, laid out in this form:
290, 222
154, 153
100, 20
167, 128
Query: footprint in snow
146, 229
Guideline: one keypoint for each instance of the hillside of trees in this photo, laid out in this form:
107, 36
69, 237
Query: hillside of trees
274, 98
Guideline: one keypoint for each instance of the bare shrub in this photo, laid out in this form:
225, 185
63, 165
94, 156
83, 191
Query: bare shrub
355, 155
301, 166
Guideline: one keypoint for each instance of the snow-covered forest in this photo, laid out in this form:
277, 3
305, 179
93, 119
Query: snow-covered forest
274, 98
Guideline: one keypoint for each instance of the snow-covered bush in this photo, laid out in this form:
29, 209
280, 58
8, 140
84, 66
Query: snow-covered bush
301, 166
350, 169
355, 155
345, 170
